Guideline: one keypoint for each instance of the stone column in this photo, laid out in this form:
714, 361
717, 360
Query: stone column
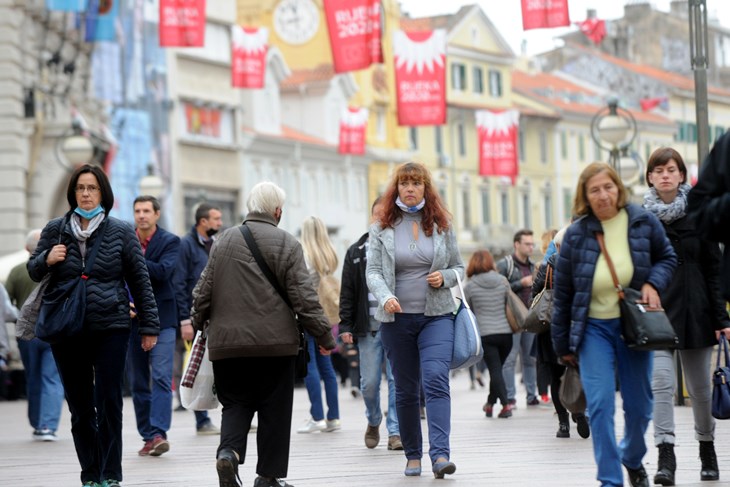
13, 134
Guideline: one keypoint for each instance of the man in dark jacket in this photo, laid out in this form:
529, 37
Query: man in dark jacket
193, 255
252, 334
358, 324
151, 372
518, 269
708, 203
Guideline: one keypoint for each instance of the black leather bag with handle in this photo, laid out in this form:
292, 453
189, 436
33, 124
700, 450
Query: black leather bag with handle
541, 310
642, 327
63, 308
300, 365
721, 382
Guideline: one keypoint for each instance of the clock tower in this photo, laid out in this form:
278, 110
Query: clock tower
298, 28
296, 22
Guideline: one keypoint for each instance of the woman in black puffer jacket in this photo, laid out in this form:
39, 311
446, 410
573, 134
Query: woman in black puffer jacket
91, 363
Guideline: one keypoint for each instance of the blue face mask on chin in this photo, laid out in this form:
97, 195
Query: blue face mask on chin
88, 214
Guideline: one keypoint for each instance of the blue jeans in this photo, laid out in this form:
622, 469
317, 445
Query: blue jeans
522, 343
320, 368
421, 346
151, 382
601, 353
43, 384
372, 356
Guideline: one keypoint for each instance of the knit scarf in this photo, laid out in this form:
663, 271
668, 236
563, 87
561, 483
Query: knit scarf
83, 235
667, 212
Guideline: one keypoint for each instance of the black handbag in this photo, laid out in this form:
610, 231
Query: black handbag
721, 383
642, 327
302, 359
63, 307
541, 309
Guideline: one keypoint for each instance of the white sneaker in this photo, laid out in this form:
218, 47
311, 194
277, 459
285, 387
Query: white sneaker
310, 426
333, 425
45, 435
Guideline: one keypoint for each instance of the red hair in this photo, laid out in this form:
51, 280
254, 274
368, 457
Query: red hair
481, 261
434, 212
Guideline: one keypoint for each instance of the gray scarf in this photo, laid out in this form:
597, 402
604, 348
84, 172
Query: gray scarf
83, 235
667, 212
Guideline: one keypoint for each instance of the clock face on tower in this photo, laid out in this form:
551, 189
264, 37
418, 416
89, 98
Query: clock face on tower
296, 21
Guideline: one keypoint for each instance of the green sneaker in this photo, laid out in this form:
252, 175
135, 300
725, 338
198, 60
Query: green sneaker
90, 484
110, 483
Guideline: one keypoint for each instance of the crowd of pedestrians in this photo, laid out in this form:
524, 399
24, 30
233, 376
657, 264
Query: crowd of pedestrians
253, 289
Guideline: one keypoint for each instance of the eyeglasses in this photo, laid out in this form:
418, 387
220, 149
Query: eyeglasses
90, 188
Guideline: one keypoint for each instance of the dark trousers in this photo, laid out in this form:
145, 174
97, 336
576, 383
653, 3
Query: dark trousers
556, 376
496, 349
263, 385
91, 366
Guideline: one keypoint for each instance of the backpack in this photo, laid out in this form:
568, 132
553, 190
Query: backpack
510, 266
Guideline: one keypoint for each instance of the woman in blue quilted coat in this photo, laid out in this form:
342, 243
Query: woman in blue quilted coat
586, 325
91, 363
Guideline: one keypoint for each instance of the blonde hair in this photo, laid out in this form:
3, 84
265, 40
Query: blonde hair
546, 238
318, 248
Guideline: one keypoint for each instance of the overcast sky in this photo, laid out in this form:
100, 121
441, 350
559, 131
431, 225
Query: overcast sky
506, 15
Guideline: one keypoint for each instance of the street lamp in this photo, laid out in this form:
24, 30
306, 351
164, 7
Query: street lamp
74, 148
613, 129
151, 184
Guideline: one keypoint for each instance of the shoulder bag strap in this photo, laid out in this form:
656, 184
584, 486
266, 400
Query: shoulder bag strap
602, 244
548, 277
254, 248
94, 250
723, 351
461, 289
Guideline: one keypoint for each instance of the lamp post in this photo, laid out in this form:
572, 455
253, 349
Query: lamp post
613, 129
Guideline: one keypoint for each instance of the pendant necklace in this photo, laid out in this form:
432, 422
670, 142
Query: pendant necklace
413, 246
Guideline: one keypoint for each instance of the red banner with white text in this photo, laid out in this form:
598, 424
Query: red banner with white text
182, 23
498, 143
354, 30
539, 14
248, 56
353, 123
420, 77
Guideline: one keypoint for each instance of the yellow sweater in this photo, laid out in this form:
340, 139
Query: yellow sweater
604, 299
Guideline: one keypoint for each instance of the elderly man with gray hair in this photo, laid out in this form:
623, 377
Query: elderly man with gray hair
43, 384
253, 337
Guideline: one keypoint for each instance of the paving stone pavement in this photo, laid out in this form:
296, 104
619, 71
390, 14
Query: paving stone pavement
520, 451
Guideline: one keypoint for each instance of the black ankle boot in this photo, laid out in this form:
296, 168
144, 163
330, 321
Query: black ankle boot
708, 458
666, 465
563, 430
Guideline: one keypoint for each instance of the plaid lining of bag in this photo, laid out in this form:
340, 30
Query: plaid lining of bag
196, 357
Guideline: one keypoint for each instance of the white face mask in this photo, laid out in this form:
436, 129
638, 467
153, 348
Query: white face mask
410, 209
